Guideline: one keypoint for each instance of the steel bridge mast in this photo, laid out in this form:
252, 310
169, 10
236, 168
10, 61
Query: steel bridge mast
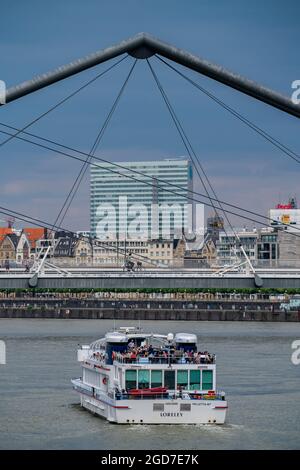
143, 46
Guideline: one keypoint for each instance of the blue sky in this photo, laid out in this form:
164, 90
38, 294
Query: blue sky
259, 40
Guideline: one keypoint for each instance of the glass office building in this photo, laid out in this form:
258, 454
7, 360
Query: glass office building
125, 204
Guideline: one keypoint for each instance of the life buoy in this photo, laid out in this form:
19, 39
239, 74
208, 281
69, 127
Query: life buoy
104, 380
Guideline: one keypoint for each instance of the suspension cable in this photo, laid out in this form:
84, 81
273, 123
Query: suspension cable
290, 153
181, 132
59, 152
59, 103
231, 110
191, 150
122, 168
70, 197
286, 150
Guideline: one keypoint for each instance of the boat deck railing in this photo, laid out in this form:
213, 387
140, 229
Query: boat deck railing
170, 396
156, 358
161, 359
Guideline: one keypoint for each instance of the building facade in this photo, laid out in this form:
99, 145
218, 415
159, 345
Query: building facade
228, 248
148, 252
72, 250
265, 247
19, 246
128, 205
8, 248
286, 216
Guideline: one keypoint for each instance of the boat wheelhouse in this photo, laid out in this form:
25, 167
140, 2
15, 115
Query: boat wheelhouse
132, 377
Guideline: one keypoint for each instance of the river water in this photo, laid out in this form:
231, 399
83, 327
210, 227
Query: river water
39, 410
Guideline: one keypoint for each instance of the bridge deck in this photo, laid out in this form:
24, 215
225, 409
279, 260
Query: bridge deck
91, 278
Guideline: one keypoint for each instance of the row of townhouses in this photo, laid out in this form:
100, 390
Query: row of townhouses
74, 250
19, 246
264, 247
274, 245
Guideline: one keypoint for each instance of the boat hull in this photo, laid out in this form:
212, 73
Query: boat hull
164, 411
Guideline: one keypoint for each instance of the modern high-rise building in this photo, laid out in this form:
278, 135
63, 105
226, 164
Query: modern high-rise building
133, 203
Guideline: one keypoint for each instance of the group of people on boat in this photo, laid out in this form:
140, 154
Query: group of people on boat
161, 355
99, 356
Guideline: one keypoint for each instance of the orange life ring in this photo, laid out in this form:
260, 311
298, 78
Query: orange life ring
104, 380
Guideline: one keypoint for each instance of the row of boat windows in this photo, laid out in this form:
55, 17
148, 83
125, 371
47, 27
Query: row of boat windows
172, 379
161, 407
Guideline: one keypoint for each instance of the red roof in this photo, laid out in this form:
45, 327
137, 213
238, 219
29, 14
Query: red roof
33, 234
4, 231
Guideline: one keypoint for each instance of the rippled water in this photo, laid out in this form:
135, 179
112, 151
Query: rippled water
39, 410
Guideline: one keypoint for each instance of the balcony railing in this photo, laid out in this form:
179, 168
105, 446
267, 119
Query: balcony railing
162, 359
185, 395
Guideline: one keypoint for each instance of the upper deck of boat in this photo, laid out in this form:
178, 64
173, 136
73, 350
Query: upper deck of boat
154, 356
142, 349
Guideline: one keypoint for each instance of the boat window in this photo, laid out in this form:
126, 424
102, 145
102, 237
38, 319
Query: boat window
158, 407
156, 378
130, 379
194, 379
143, 378
170, 379
207, 380
185, 407
182, 379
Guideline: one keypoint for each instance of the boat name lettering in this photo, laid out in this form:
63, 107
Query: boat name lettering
201, 404
172, 415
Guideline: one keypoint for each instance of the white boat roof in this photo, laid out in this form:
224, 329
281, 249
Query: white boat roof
125, 334
185, 338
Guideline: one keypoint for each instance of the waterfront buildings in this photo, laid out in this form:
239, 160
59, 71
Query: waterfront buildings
71, 249
203, 257
215, 225
131, 205
8, 247
264, 247
228, 249
78, 251
267, 247
149, 252
19, 246
275, 246
288, 248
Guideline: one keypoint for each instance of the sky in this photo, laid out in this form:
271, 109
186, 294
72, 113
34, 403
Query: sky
259, 40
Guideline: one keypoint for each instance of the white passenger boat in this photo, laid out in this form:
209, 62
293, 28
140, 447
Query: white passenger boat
131, 377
